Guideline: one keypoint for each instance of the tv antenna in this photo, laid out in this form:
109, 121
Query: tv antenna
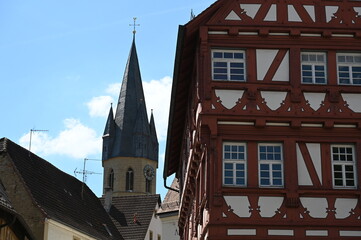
31, 133
85, 172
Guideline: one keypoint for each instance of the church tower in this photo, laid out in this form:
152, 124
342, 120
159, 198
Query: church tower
130, 144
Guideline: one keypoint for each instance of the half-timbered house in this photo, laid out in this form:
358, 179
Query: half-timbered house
265, 121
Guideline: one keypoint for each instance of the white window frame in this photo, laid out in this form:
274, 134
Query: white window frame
234, 162
313, 60
228, 61
271, 164
349, 61
344, 164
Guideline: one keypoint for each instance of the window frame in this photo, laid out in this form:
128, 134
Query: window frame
129, 180
234, 163
343, 164
349, 65
270, 164
228, 62
111, 179
314, 64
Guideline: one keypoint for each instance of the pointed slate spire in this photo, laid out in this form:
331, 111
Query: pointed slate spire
132, 132
109, 134
154, 140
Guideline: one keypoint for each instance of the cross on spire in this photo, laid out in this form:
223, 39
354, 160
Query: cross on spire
134, 25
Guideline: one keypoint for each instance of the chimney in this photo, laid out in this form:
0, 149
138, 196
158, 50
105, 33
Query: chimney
108, 198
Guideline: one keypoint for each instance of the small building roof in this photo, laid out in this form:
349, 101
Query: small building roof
133, 214
171, 200
59, 195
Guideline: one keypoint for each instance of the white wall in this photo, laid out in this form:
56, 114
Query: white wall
155, 226
56, 231
170, 228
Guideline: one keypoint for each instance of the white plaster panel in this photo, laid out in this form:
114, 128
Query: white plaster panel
273, 99
350, 233
229, 97
316, 233
293, 15
311, 11
269, 205
251, 9
353, 100
233, 16
330, 11
304, 178
317, 207
314, 99
344, 206
272, 13
315, 152
358, 10
241, 232
239, 204
264, 60
282, 73
280, 232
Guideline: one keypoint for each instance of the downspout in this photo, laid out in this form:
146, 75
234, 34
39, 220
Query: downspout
169, 188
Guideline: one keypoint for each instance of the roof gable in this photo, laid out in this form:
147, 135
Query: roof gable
60, 196
335, 14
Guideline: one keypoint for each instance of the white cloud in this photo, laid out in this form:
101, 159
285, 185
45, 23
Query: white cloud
114, 89
99, 106
157, 96
76, 141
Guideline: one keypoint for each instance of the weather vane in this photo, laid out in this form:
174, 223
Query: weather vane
134, 25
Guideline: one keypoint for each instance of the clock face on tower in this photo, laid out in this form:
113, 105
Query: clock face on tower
149, 172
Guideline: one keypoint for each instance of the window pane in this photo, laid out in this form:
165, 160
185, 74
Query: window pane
220, 77
265, 182
277, 182
217, 54
264, 167
341, 58
228, 55
220, 64
238, 55
220, 70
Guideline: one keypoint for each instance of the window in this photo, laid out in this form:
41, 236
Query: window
343, 166
111, 179
313, 67
349, 68
159, 237
270, 165
129, 180
150, 235
148, 185
234, 164
228, 65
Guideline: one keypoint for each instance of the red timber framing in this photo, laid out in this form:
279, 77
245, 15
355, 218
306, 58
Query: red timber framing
265, 121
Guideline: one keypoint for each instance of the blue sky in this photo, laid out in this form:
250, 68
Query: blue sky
61, 65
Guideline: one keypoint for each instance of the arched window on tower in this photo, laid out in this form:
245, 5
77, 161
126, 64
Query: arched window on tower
129, 180
111, 179
148, 186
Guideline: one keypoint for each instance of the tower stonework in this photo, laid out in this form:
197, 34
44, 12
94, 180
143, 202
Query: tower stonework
130, 144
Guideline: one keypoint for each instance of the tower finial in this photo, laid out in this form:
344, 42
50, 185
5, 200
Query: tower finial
134, 25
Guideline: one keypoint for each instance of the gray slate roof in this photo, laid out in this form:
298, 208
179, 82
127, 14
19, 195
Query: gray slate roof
124, 209
129, 133
59, 194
